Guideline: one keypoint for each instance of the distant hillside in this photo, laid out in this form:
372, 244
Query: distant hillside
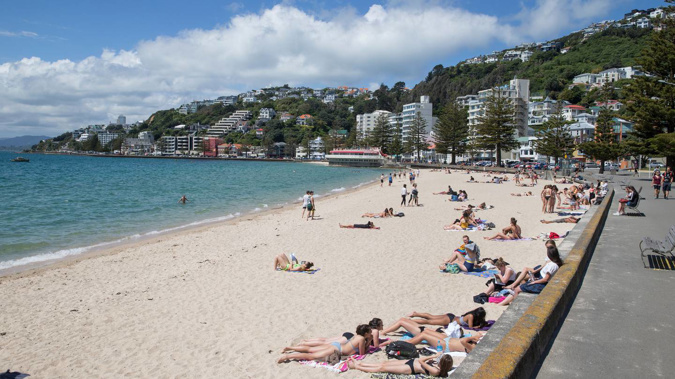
22, 142
549, 72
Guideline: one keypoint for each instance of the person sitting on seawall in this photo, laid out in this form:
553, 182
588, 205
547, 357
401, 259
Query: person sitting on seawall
462, 223
511, 232
505, 277
369, 225
388, 212
630, 199
465, 257
282, 263
538, 277
356, 345
472, 319
420, 365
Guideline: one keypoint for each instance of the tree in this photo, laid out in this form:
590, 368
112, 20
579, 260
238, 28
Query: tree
651, 99
496, 129
396, 147
451, 130
416, 141
604, 146
554, 137
381, 135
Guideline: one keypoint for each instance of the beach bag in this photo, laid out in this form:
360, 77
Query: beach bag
481, 298
553, 235
453, 198
401, 350
400, 214
452, 268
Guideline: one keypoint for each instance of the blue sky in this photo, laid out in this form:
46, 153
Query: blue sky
67, 64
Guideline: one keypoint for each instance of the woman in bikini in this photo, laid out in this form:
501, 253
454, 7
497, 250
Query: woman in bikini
356, 345
448, 344
282, 263
412, 366
506, 276
546, 196
471, 319
462, 223
511, 232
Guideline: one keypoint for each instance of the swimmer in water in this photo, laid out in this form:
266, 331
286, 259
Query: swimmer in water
183, 200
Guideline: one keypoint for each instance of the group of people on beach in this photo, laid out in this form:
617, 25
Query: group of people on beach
308, 205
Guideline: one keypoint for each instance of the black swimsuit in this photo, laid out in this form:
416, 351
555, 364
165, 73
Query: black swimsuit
348, 335
411, 364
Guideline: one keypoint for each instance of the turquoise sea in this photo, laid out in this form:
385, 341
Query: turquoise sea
59, 205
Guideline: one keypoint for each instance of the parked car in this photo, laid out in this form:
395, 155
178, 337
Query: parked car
592, 165
654, 165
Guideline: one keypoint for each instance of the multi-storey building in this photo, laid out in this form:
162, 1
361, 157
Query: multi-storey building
410, 111
266, 114
105, 138
228, 124
366, 122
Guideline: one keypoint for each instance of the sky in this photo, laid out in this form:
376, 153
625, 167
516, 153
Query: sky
67, 64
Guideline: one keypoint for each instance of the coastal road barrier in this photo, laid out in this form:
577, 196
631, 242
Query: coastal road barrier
514, 346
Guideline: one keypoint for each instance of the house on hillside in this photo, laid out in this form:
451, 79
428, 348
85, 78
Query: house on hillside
304, 119
571, 111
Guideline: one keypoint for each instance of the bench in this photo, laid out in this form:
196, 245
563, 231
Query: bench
662, 248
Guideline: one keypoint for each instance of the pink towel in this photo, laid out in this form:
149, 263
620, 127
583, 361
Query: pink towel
496, 300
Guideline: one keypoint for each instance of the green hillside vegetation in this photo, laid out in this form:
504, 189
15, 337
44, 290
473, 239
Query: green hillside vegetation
549, 72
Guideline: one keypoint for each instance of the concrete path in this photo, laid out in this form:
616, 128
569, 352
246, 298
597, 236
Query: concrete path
622, 322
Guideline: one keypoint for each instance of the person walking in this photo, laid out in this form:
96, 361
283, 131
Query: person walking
305, 200
310, 206
381, 180
390, 179
656, 182
667, 180
404, 194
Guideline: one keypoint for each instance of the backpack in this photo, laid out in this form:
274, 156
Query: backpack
401, 350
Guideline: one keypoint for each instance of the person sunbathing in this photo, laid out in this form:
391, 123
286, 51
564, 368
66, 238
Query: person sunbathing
528, 193
282, 263
472, 180
411, 366
506, 276
450, 191
448, 344
569, 220
465, 257
369, 225
388, 212
511, 232
538, 277
356, 345
472, 319
463, 223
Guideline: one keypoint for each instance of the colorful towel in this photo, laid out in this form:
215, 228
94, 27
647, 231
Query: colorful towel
482, 274
572, 213
338, 367
310, 272
519, 239
461, 230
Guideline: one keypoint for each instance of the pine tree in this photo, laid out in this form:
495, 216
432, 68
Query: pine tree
451, 130
396, 147
651, 99
416, 140
381, 136
496, 129
554, 137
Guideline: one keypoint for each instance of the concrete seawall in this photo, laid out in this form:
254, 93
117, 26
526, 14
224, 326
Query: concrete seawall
514, 345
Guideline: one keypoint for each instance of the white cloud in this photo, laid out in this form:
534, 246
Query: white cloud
6, 33
283, 44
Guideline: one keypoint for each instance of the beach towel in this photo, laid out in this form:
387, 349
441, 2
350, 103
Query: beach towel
338, 367
487, 327
461, 230
519, 239
482, 274
573, 213
310, 272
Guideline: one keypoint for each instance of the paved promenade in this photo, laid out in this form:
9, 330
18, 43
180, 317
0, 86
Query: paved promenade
622, 322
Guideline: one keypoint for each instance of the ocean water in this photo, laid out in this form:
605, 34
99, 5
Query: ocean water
58, 205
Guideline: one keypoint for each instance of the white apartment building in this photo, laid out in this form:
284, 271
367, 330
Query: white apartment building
168, 145
366, 122
145, 135
228, 124
525, 55
105, 138
466, 100
586, 78
410, 111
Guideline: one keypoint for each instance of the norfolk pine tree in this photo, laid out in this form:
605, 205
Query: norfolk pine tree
396, 147
381, 136
452, 130
418, 130
554, 137
651, 99
496, 129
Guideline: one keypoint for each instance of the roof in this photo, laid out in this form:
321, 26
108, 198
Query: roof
578, 107
304, 116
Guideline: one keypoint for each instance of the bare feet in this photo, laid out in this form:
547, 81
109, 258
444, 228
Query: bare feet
412, 314
282, 359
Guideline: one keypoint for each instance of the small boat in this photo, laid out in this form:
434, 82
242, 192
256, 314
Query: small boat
20, 159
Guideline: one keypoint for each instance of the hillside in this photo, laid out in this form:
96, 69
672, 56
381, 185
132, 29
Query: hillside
549, 72
21, 142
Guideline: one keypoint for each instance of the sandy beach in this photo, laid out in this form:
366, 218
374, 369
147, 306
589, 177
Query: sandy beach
207, 303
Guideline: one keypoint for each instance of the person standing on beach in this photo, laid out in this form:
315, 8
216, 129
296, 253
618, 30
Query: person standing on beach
404, 194
381, 180
305, 200
390, 179
183, 200
310, 206
413, 195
